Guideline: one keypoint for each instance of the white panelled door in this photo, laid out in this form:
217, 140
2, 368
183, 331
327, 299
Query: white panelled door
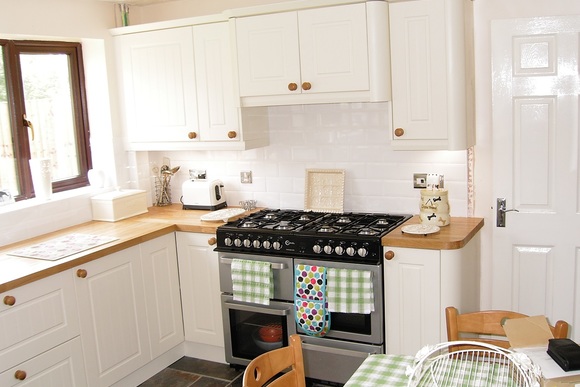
536, 268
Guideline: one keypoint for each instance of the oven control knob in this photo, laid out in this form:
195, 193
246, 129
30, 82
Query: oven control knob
256, 244
247, 243
339, 250
350, 251
237, 242
328, 249
267, 245
362, 252
277, 245
317, 249
228, 241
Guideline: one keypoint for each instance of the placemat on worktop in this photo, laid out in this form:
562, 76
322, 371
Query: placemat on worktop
61, 247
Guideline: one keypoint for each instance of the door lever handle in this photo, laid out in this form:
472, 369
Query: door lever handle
501, 211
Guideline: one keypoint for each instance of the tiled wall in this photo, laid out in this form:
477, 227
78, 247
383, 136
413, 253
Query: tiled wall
353, 137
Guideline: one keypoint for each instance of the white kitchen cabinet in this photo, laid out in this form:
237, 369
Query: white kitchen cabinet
178, 93
111, 303
200, 293
330, 54
57, 367
419, 285
433, 100
162, 293
36, 318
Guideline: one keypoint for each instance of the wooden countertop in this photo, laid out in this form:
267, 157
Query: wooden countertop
451, 237
158, 221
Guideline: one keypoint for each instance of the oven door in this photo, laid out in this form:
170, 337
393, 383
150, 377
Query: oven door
242, 322
363, 328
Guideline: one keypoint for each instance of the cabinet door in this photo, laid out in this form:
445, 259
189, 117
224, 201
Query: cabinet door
162, 296
334, 49
215, 93
60, 366
412, 299
111, 304
268, 54
157, 70
419, 69
200, 292
37, 317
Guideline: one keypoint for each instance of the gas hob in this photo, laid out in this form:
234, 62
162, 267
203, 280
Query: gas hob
349, 237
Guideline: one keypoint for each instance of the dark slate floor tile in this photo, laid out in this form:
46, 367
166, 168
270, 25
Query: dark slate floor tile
171, 378
207, 368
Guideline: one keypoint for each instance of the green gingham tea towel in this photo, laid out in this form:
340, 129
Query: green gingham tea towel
252, 281
350, 291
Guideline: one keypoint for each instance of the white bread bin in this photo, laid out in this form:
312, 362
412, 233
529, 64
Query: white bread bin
117, 205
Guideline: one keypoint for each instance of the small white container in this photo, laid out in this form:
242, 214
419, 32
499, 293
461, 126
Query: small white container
118, 205
434, 207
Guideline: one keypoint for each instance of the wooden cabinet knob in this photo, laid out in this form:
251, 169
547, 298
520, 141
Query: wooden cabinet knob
306, 86
232, 134
389, 255
82, 273
20, 375
9, 300
292, 86
191, 135
399, 132
212, 241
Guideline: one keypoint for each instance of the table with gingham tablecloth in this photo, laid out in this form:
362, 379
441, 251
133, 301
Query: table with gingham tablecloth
381, 370
390, 370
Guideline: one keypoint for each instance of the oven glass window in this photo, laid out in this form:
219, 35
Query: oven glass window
351, 323
254, 333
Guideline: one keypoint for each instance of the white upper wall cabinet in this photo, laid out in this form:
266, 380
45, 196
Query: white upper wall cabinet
320, 55
432, 74
178, 93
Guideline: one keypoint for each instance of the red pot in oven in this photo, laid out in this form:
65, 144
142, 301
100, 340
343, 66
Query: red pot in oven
270, 333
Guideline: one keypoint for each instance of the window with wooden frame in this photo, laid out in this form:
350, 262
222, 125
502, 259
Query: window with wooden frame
43, 115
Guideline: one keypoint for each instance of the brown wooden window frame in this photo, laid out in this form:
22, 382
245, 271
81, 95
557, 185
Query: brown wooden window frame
20, 133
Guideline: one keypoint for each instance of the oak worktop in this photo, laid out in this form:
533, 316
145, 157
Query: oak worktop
158, 221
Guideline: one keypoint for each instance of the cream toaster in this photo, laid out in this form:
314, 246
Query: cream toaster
202, 194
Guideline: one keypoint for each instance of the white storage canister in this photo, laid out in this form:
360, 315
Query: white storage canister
434, 207
117, 205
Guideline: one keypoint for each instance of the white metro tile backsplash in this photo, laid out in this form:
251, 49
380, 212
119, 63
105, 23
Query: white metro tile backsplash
354, 137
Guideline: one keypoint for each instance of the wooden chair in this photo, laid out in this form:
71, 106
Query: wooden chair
268, 365
488, 322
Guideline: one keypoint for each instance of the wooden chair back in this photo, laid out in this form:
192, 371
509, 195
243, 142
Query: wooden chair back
272, 363
488, 322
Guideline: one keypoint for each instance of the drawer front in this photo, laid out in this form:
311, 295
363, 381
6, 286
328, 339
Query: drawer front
43, 315
60, 366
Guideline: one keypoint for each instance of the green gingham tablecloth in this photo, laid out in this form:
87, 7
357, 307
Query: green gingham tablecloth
381, 370
390, 370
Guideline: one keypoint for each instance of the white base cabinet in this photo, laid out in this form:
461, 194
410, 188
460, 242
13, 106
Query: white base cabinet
433, 74
129, 308
419, 285
200, 292
39, 334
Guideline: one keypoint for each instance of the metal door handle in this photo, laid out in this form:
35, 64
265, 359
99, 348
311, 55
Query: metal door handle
501, 211
273, 265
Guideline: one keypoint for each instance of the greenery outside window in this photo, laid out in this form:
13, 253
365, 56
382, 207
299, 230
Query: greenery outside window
43, 114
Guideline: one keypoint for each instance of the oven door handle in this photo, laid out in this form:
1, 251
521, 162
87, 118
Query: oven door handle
274, 265
336, 351
257, 309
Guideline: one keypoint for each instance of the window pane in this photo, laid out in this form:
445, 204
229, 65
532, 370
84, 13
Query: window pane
8, 176
49, 106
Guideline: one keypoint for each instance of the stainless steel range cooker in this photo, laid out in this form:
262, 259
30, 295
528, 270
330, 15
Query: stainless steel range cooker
286, 238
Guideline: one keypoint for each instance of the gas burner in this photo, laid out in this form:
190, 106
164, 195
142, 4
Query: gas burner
367, 231
304, 217
270, 215
284, 225
249, 224
326, 228
383, 222
343, 219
